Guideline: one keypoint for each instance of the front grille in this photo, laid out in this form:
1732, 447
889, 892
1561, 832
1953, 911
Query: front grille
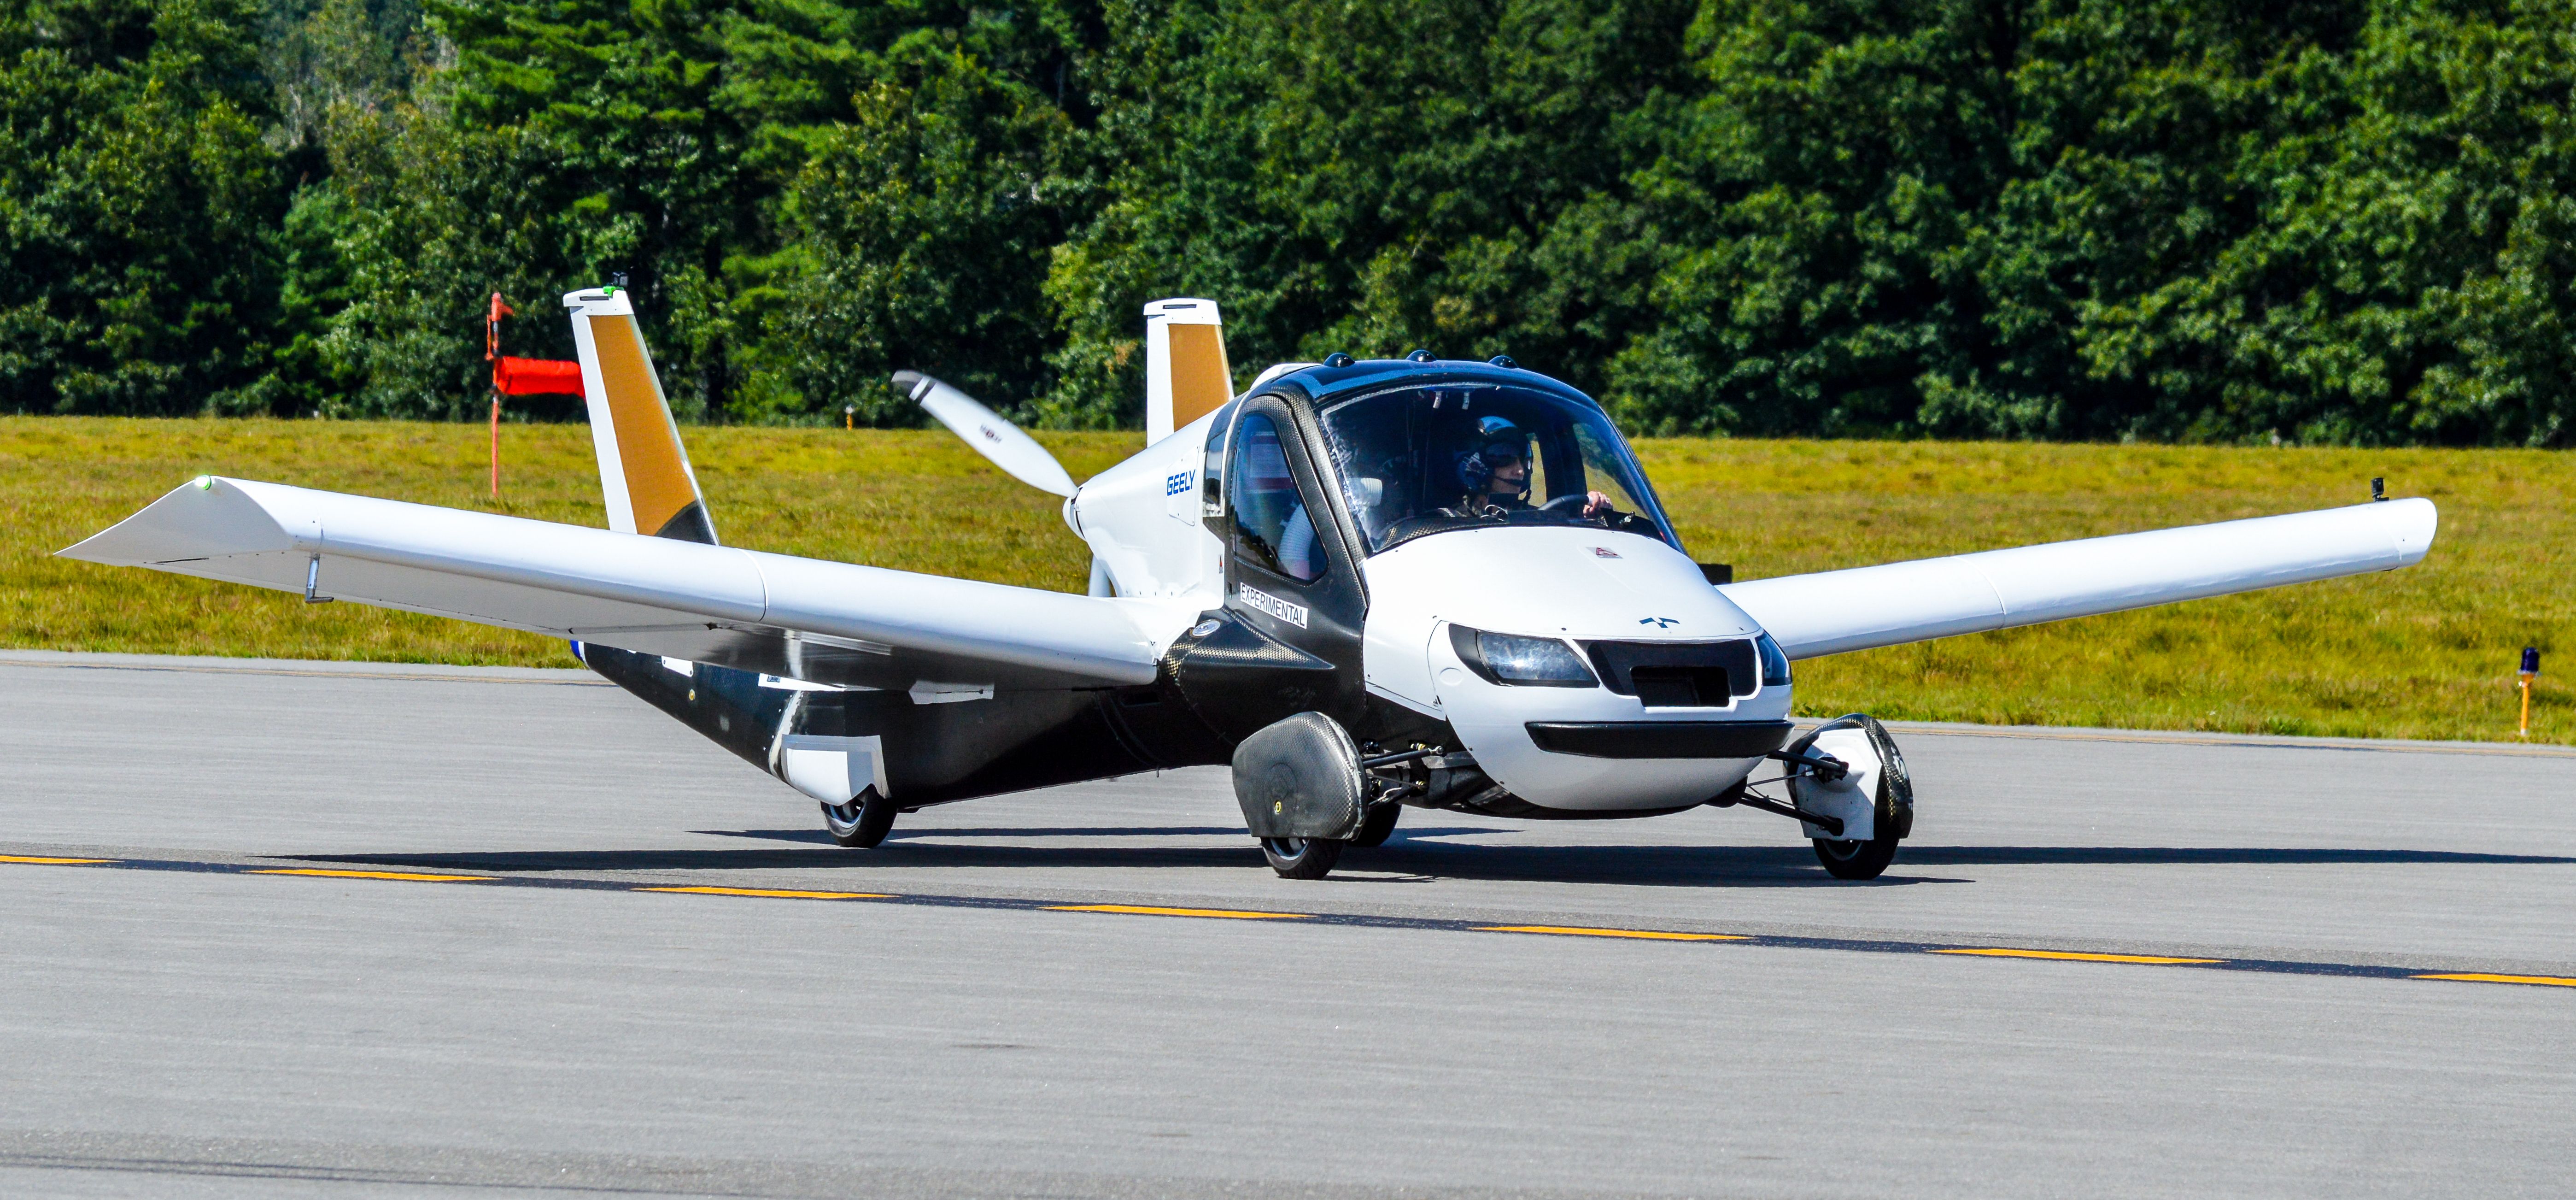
1678, 674
1681, 687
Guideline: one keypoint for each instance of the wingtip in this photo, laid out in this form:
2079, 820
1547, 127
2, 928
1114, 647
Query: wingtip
2417, 520
912, 383
180, 524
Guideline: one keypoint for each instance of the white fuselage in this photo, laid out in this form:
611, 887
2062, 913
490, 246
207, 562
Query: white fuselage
1144, 519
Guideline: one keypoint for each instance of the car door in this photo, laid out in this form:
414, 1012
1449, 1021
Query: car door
1287, 639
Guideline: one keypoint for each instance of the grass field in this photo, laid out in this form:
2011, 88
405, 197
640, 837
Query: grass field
2426, 652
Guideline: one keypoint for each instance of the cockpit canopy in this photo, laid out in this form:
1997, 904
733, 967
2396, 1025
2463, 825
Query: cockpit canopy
1419, 459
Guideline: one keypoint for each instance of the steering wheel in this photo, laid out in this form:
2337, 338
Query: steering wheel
1566, 504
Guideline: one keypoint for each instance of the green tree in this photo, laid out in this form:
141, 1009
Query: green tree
2163, 219
2406, 273
2170, 220
661, 140
1821, 193
139, 209
923, 230
1369, 178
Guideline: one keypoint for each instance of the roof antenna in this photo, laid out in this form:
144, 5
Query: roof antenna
2378, 488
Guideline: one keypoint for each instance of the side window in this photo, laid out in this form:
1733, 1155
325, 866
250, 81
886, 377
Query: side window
1212, 473
1271, 525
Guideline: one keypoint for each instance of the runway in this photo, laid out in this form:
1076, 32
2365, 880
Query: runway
352, 930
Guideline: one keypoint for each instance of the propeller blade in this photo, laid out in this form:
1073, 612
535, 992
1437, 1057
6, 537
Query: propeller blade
1016, 453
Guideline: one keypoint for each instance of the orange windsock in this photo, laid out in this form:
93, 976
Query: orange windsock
536, 377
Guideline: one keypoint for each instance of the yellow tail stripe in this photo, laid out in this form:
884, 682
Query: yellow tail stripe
648, 446
1202, 381
53, 862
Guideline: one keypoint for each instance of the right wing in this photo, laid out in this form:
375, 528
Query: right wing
1831, 612
803, 618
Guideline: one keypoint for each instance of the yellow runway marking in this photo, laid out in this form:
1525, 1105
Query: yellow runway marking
1580, 931
2075, 957
53, 862
1147, 910
2543, 980
404, 875
772, 893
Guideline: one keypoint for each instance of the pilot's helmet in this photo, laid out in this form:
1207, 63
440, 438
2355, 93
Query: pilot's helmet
1495, 441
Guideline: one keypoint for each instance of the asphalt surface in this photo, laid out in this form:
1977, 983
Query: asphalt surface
181, 1019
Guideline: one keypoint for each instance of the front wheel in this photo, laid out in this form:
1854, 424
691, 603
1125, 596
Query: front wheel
861, 823
1301, 858
1856, 859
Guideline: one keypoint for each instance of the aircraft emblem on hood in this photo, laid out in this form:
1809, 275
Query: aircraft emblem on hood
1659, 622
1604, 552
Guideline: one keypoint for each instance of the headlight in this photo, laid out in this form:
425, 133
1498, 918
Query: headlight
1775, 665
1523, 661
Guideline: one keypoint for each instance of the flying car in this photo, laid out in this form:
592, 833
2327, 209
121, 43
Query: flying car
1363, 585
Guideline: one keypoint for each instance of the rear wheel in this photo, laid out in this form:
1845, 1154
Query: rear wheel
1301, 858
861, 823
1856, 859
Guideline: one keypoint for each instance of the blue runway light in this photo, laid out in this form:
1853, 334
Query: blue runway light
2531, 660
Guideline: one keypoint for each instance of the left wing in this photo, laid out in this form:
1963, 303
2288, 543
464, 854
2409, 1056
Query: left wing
825, 622
1831, 612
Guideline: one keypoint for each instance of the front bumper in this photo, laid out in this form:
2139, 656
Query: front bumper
1659, 739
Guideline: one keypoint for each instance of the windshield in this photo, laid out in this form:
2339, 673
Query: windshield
1422, 460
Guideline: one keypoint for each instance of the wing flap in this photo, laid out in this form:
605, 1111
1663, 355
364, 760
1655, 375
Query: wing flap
1832, 612
826, 622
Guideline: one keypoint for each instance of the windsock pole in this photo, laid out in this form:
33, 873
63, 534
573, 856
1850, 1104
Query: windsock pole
492, 354
2530, 670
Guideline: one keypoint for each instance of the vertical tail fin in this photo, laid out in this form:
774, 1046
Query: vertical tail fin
642, 466
1186, 374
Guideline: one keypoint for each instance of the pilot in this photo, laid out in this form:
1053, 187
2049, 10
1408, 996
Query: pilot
1496, 472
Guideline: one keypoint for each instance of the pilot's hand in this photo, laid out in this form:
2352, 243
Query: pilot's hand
1596, 504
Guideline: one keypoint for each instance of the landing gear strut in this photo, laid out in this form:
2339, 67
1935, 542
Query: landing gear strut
861, 823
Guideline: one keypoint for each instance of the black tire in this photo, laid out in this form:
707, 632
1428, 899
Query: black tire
1854, 859
1302, 858
1377, 825
861, 823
